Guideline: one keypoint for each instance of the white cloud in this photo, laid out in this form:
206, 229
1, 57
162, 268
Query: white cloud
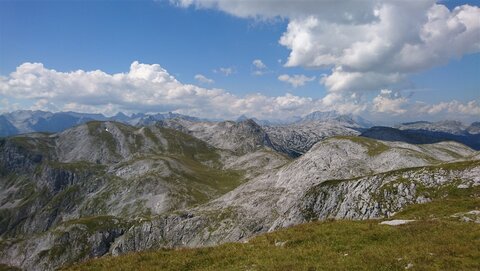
144, 88
341, 11
7, 106
259, 64
203, 80
150, 88
469, 108
296, 80
406, 37
369, 44
225, 71
259, 67
389, 102
341, 81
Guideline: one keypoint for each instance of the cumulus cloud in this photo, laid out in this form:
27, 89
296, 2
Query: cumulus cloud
203, 80
144, 88
7, 106
369, 44
296, 80
469, 108
150, 88
389, 102
341, 11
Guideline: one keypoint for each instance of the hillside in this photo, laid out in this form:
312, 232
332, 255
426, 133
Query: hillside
106, 188
240, 137
443, 236
105, 175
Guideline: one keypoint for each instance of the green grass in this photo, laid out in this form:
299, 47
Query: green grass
374, 147
189, 146
447, 201
440, 242
4, 267
97, 223
42, 144
79, 166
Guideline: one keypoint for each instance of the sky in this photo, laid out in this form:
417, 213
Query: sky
271, 59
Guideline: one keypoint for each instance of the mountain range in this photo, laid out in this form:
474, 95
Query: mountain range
144, 182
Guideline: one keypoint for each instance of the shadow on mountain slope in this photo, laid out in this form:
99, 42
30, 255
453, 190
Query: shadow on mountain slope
421, 136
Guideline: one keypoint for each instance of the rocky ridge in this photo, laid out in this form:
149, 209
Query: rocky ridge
108, 168
340, 177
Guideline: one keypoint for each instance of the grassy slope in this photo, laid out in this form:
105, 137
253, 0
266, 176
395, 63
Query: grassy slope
436, 241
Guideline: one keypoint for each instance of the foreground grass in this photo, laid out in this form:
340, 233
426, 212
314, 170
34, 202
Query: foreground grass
8, 268
341, 245
438, 242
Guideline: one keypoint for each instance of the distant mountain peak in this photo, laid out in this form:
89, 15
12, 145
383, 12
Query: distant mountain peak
336, 116
241, 118
121, 115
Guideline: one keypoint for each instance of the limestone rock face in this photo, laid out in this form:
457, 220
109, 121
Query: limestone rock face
241, 137
296, 139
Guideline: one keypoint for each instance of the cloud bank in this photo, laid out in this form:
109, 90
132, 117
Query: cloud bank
370, 44
144, 88
150, 88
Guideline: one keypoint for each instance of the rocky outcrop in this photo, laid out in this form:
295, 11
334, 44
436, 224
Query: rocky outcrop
376, 196
240, 137
297, 139
70, 242
303, 190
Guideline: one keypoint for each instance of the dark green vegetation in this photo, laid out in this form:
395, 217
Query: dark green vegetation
435, 241
8, 268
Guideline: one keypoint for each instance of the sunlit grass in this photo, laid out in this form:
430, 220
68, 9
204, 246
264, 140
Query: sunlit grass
435, 241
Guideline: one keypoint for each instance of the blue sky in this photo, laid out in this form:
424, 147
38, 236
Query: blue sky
197, 39
109, 36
